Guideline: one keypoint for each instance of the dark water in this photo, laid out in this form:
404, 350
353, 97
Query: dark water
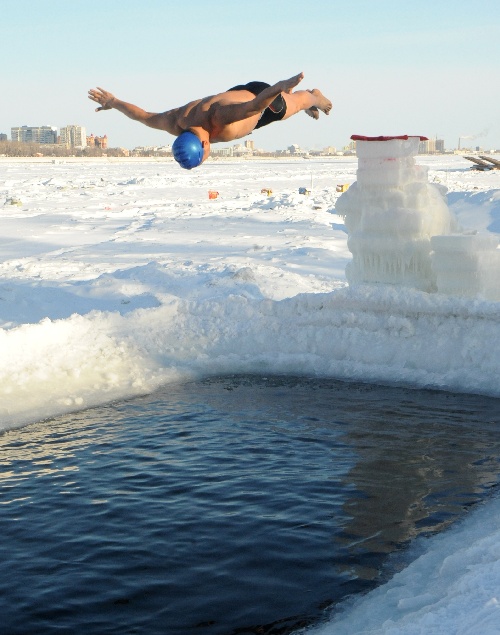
238, 505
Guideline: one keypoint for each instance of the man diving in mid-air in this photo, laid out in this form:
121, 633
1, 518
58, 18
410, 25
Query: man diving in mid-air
222, 117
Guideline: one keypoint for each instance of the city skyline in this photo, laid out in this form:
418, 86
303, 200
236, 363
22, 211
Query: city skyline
468, 139
74, 135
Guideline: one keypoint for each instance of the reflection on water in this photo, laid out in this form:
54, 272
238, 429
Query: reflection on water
435, 454
230, 506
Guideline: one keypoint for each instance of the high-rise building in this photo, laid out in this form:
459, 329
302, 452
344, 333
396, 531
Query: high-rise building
440, 145
427, 147
3, 136
73, 136
34, 134
431, 146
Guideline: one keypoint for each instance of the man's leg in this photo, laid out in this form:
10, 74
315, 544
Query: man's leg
309, 100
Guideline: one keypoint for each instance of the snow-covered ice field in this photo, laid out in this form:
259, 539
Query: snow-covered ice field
119, 276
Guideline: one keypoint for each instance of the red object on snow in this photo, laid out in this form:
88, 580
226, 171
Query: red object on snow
405, 137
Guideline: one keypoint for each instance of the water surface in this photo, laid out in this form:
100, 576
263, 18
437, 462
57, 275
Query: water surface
230, 506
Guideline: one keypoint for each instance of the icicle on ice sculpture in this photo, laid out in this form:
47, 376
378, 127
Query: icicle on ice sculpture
390, 214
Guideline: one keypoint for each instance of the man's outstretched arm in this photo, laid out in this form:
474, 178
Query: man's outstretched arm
229, 113
107, 101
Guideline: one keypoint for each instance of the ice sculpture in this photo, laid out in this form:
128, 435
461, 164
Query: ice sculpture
391, 212
467, 265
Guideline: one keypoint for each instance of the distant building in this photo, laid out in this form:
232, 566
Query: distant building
3, 136
241, 151
222, 152
250, 144
427, 147
431, 146
97, 142
149, 151
34, 134
73, 136
350, 148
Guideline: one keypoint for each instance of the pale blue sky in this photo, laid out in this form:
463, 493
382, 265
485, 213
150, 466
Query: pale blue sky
426, 67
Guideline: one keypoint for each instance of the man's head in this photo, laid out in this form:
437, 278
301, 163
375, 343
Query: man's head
189, 151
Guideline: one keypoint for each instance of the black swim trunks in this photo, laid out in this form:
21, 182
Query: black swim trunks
274, 112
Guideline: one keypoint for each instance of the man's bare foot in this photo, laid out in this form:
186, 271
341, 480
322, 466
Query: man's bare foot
312, 112
287, 85
324, 104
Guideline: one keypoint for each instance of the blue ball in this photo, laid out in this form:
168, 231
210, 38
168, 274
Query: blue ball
188, 150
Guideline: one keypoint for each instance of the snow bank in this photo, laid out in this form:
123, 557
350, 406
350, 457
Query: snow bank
452, 588
372, 334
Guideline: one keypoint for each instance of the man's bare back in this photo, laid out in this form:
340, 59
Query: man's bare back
223, 117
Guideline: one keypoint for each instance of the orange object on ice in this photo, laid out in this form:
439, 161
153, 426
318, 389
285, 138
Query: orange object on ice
212, 194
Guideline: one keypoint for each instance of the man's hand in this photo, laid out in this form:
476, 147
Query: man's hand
102, 97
